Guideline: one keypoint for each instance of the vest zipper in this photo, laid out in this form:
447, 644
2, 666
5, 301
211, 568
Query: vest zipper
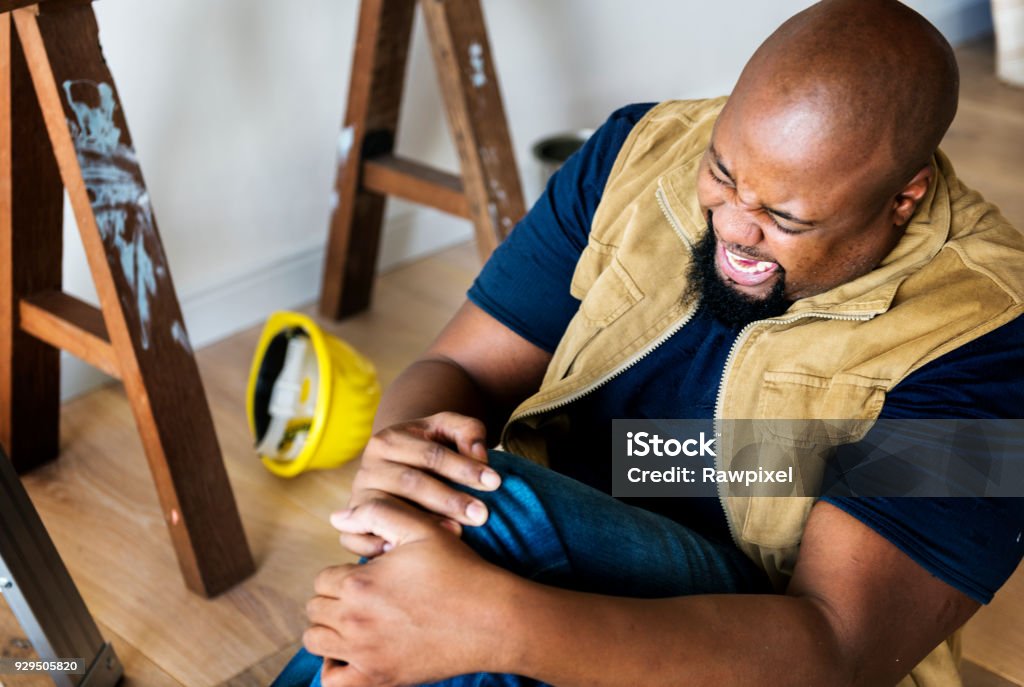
668, 334
679, 324
737, 342
670, 216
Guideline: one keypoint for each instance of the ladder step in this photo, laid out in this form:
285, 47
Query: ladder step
9, 5
413, 181
68, 323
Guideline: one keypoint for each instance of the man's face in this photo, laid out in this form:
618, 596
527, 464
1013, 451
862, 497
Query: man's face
790, 204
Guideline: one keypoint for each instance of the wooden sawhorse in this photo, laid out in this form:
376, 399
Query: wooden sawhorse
42, 595
62, 126
487, 192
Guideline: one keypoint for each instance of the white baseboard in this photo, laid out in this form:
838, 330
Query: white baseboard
77, 377
248, 296
416, 231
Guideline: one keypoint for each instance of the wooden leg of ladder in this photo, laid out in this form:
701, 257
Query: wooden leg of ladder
104, 183
31, 209
469, 84
375, 94
40, 592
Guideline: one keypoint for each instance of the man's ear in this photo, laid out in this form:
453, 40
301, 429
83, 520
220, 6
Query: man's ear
910, 196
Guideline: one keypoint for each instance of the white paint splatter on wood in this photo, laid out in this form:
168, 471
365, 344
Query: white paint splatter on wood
114, 183
179, 334
345, 139
497, 191
492, 212
476, 63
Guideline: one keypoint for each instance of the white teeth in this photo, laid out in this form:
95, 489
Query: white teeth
741, 264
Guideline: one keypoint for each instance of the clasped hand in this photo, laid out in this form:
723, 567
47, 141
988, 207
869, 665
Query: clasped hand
412, 615
411, 460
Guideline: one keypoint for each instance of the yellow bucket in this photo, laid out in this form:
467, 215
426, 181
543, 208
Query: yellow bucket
311, 397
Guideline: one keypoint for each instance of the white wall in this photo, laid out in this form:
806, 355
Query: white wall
234, 107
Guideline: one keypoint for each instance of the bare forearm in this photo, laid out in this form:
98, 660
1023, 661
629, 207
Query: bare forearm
437, 418
476, 367
426, 387
859, 612
568, 638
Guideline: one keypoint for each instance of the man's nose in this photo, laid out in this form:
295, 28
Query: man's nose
737, 226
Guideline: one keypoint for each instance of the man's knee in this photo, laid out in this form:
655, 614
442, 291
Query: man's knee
519, 533
519, 479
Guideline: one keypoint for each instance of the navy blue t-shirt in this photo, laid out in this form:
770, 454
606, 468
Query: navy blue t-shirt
972, 544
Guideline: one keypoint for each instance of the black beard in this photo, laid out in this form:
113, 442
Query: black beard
723, 302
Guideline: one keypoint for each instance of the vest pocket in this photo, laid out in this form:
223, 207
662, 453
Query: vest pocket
612, 293
801, 418
851, 400
608, 295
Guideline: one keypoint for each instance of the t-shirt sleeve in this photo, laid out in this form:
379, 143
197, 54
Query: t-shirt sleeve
972, 544
525, 283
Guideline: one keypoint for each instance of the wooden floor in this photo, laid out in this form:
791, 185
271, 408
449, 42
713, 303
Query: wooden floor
100, 505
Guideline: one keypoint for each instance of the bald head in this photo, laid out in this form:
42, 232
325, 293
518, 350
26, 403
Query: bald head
820, 157
871, 80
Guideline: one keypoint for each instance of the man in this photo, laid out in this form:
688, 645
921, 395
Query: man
797, 251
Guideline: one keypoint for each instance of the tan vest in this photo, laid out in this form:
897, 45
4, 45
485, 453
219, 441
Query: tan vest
956, 274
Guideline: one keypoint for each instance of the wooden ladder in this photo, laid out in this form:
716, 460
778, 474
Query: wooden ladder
487, 191
62, 128
43, 597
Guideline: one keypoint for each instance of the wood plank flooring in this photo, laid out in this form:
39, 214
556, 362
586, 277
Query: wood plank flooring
100, 506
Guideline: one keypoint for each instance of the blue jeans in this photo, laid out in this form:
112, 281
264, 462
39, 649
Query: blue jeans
552, 529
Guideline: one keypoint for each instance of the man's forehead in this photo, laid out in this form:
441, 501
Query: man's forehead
799, 129
847, 79
805, 173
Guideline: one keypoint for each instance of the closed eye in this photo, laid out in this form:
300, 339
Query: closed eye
784, 230
717, 179
771, 217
